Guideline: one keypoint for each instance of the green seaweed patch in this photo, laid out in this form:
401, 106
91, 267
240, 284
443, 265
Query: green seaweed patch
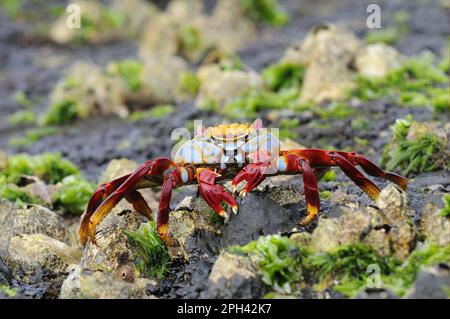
22, 117
283, 76
339, 110
16, 195
287, 128
190, 37
49, 167
250, 104
129, 71
21, 98
189, 83
265, 12
73, 195
153, 256
8, 291
386, 35
329, 176
419, 81
445, 211
418, 154
32, 135
62, 112
278, 260
157, 112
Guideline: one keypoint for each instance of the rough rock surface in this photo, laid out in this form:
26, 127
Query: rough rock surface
234, 276
435, 226
90, 284
37, 258
387, 227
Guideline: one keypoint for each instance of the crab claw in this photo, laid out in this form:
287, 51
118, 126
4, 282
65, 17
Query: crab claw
213, 194
253, 174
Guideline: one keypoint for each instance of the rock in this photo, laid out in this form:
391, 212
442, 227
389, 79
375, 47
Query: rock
117, 168
234, 276
95, 91
376, 60
160, 79
432, 283
218, 87
387, 227
434, 226
328, 53
88, 284
7, 211
36, 219
376, 293
37, 258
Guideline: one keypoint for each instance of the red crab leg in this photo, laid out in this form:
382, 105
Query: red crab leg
311, 192
139, 204
97, 198
373, 170
148, 169
213, 194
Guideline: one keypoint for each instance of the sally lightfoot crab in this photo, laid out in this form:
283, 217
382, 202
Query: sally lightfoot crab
236, 152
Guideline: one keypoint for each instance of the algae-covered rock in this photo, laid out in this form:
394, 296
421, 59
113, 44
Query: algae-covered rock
7, 211
89, 284
37, 258
234, 276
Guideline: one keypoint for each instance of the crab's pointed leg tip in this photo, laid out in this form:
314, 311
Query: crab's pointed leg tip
235, 209
243, 193
233, 188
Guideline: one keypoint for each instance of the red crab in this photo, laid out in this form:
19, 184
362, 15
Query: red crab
238, 152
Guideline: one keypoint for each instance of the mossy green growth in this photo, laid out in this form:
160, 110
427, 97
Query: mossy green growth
8, 291
74, 194
403, 276
130, 71
50, 167
22, 117
386, 35
63, 112
250, 104
266, 12
283, 75
445, 211
16, 195
338, 110
156, 112
153, 256
417, 82
287, 128
21, 98
283, 263
278, 260
189, 83
420, 154
32, 135
329, 176
190, 37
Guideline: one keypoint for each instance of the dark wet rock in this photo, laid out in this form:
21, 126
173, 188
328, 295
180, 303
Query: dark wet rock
432, 283
234, 277
89, 284
376, 293
37, 258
